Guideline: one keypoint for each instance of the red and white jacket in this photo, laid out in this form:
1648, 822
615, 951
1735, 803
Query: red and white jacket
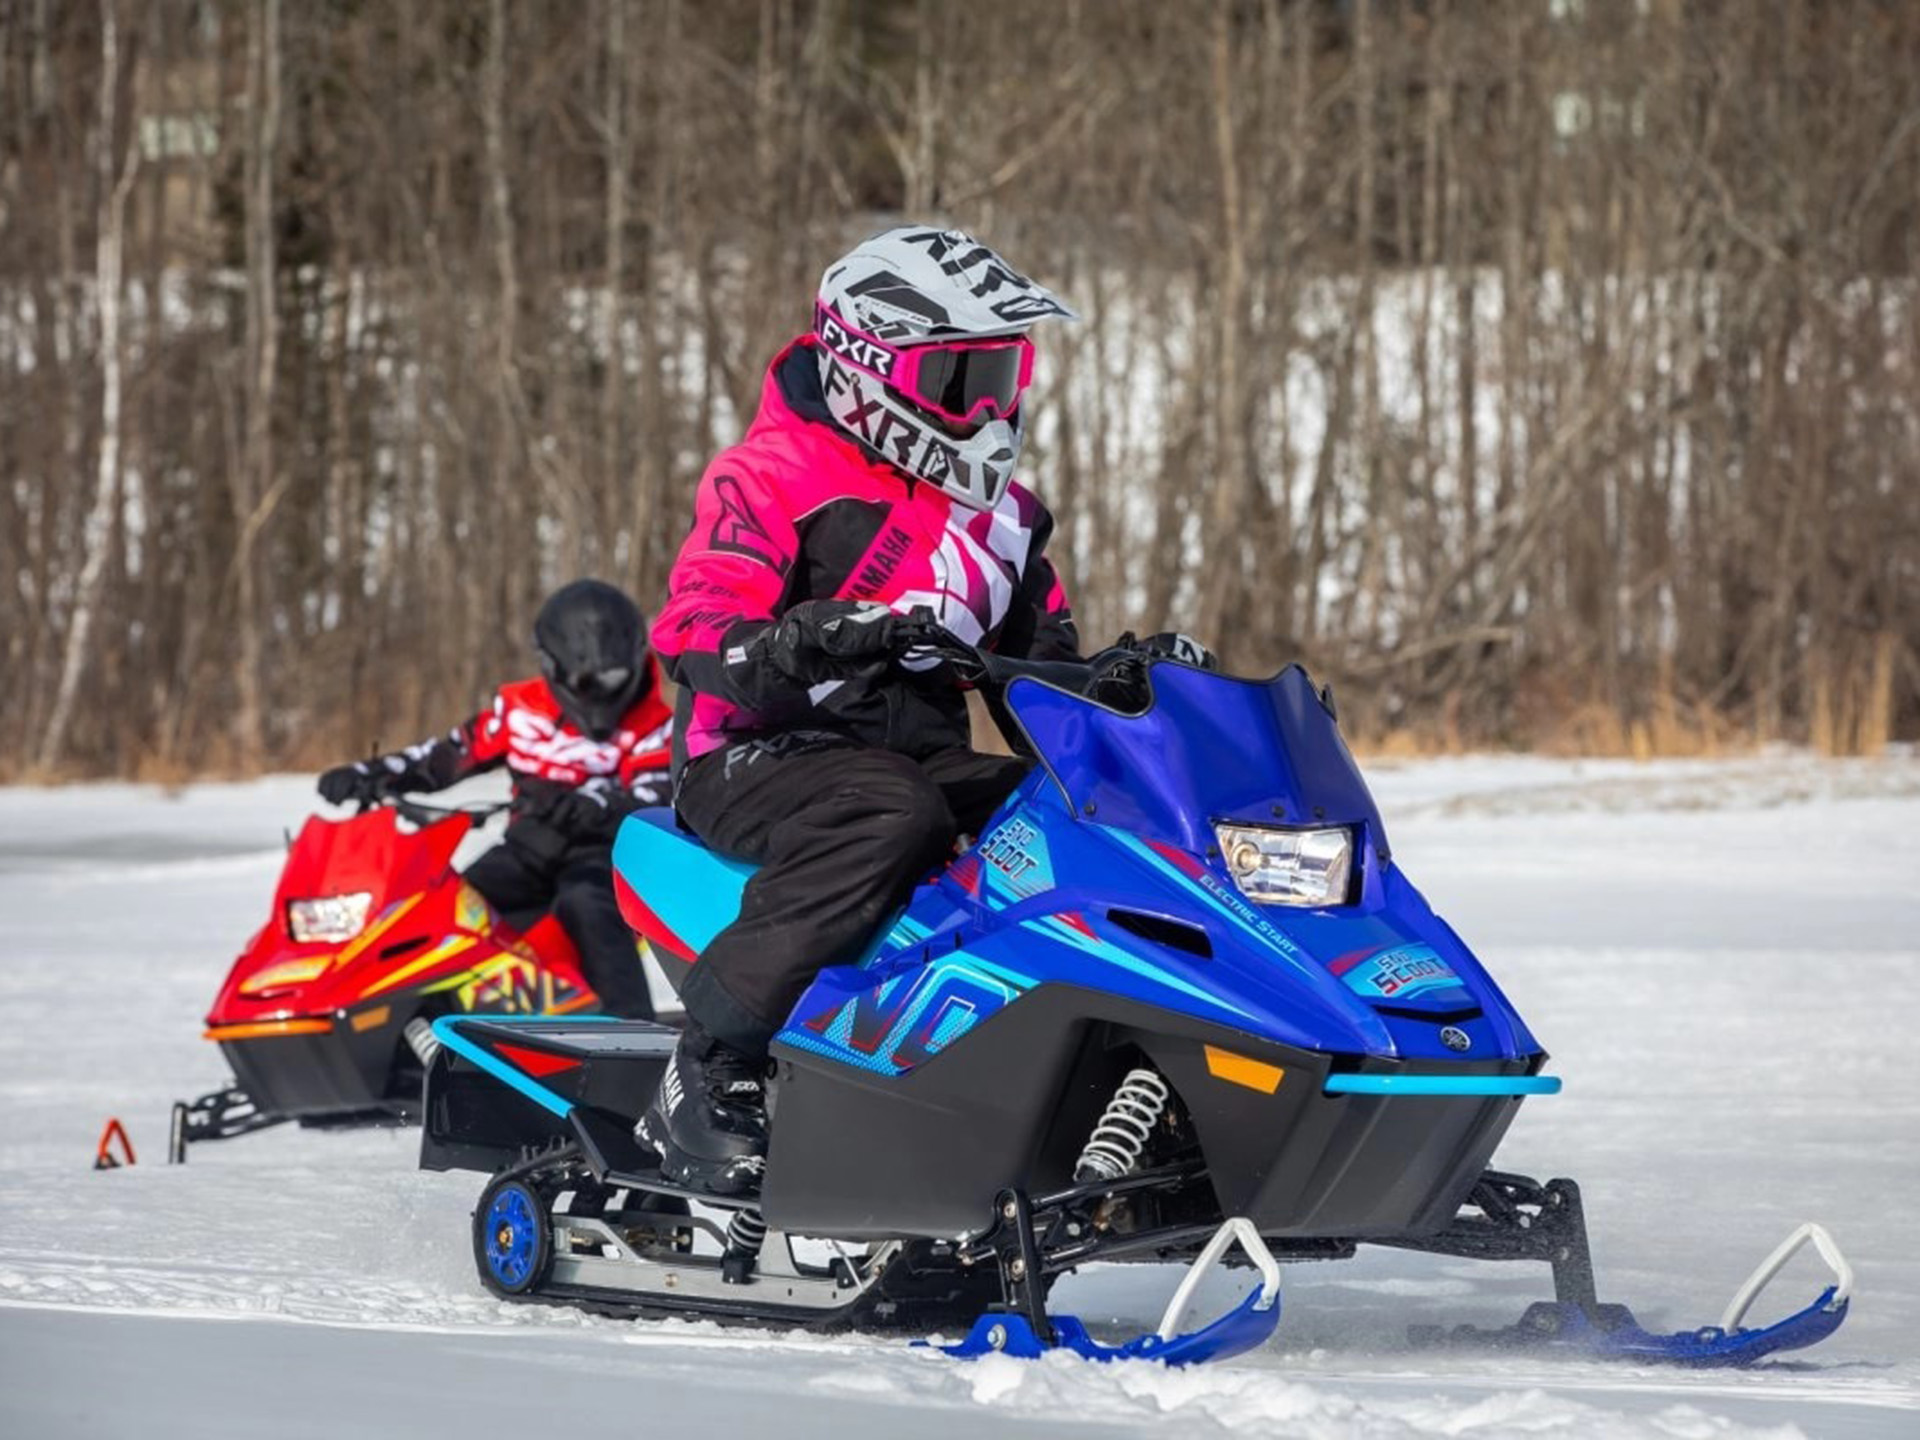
801, 510
525, 730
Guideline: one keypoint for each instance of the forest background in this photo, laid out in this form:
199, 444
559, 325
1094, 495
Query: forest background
1540, 372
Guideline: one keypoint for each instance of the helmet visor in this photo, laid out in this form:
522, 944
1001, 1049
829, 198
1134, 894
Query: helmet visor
596, 698
966, 381
602, 683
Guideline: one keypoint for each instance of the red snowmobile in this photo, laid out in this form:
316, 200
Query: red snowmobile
326, 1016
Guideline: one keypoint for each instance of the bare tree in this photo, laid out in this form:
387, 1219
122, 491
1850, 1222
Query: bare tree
257, 485
1539, 375
114, 169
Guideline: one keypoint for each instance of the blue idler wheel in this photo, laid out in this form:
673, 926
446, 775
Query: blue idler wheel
512, 1238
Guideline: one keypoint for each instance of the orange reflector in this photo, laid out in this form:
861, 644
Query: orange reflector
368, 1019
287, 973
267, 1027
1241, 1070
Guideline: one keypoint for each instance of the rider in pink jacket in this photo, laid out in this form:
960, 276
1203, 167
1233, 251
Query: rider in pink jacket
876, 479
800, 510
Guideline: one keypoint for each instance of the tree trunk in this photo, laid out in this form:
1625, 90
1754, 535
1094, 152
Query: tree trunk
257, 489
614, 474
109, 246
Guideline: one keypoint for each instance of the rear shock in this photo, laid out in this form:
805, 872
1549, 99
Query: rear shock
746, 1233
1118, 1141
418, 1033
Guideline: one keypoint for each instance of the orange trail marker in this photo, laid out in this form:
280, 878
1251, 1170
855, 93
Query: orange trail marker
103, 1158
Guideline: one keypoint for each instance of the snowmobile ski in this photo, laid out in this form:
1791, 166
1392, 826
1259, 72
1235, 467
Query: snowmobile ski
1611, 1331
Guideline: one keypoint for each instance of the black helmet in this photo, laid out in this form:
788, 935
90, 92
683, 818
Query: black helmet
592, 641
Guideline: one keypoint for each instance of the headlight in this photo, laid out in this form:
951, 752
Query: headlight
1288, 867
329, 917
288, 972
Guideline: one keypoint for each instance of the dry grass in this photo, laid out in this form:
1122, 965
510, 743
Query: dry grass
1853, 698
1853, 714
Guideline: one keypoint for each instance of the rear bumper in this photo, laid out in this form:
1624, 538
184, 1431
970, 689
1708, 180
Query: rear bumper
485, 1109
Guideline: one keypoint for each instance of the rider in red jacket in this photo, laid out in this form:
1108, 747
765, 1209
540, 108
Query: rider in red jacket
876, 479
586, 742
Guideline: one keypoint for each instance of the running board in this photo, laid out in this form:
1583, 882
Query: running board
592, 1257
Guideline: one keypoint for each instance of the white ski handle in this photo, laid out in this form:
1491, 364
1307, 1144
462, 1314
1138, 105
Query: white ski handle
1829, 1249
1240, 1229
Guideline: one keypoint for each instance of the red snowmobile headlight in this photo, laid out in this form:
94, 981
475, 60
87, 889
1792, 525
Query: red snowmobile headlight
329, 917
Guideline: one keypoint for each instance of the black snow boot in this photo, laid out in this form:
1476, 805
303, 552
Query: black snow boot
708, 1120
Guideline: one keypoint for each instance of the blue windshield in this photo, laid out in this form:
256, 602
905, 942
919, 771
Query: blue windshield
1210, 747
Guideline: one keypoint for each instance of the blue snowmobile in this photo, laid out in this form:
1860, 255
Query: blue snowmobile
1177, 1003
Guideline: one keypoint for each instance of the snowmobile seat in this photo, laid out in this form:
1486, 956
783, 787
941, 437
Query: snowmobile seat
691, 893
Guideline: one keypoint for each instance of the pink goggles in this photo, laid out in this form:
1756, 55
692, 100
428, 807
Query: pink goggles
961, 381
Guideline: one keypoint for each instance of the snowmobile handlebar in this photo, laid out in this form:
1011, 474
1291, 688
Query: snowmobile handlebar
420, 813
920, 635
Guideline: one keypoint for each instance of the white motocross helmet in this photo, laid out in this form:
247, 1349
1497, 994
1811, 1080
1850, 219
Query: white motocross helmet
924, 355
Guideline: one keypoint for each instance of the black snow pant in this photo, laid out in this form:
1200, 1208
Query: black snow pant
842, 833
577, 885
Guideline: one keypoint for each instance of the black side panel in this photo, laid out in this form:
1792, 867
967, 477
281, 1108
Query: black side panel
1304, 1163
856, 1154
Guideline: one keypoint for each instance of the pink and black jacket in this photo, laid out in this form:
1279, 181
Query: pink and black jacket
802, 510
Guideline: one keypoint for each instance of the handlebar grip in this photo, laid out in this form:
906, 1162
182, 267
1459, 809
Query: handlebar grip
919, 631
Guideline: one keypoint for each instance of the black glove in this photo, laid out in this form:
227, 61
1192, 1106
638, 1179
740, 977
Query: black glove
594, 809
364, 782
1174, 645
825, 639
1118, 679
1119, 673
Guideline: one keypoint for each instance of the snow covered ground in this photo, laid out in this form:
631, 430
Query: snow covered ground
1720, 955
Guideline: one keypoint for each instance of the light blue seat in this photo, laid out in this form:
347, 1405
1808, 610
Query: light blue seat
663, 871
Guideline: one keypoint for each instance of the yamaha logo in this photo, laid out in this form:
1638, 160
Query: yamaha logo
1454, 1038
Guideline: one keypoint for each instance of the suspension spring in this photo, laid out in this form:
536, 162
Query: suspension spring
746, 1232
421, 1039
1117, 1142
